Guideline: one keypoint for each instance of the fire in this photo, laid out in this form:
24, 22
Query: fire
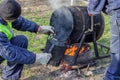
66, 66
82, 49
72, 50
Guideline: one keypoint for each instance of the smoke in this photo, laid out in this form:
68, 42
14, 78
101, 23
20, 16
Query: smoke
56, 3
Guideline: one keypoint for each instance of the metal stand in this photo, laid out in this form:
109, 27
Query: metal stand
97, 56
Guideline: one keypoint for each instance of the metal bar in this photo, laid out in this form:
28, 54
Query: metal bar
95, 43
96, 50
103, 46
101, 57
96, 58
107, 52
79, 47
90, 64
51, 48
92, 23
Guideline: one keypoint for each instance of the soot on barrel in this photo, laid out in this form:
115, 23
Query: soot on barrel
71, 22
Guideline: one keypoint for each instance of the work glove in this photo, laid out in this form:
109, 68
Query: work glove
46, 29
43, 58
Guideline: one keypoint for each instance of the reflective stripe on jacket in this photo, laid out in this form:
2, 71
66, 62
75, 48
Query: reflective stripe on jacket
7, 30
13, 53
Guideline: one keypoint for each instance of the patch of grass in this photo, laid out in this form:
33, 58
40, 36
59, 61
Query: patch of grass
105, 39
36, 41
106, 33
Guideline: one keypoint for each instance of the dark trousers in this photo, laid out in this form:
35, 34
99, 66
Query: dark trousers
12, 71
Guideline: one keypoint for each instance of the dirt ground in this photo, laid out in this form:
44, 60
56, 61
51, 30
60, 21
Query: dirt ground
38, 72
95, 72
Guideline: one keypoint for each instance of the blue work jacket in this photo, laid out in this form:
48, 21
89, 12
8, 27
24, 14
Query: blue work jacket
14, 53
96, 6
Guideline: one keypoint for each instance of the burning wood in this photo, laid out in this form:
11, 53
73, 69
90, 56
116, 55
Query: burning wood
70, 53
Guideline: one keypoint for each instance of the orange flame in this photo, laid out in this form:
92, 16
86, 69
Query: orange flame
66, 66
72, 50
82, 49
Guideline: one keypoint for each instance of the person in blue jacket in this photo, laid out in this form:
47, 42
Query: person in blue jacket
112, 9
14, 48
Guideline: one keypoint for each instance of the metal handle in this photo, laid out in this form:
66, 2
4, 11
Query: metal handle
92, 24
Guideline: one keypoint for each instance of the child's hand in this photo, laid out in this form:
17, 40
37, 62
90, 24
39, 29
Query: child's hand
46, 29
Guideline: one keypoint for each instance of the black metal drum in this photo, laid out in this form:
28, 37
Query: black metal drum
70, 23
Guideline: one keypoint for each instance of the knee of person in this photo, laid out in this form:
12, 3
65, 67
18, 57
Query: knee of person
23, 38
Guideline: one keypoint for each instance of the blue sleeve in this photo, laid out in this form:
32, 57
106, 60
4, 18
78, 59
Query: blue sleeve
95, 6
23, 24
14, 53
